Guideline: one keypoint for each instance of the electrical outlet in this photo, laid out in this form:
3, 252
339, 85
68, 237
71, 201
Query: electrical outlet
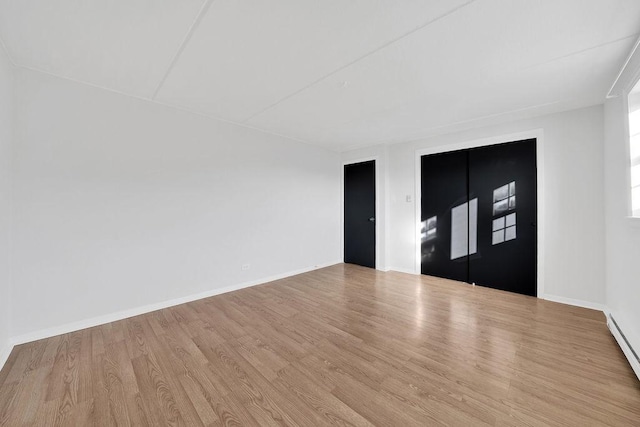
245, 267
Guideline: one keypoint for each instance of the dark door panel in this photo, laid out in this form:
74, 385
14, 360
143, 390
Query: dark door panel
360, 213
479, 215
503, 178
444, 190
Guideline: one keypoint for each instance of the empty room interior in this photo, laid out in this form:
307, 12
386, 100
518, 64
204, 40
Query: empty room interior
365, 213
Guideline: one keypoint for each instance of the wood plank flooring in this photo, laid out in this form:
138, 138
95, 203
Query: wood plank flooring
343, 345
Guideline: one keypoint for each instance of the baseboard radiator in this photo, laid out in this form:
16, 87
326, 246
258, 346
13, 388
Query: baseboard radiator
625, 345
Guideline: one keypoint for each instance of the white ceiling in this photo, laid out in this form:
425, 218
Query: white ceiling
335, 73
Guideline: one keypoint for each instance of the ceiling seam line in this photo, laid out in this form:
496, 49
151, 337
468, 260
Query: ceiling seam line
379, 48
415, 138
343, 123
194, 25
578, 52
4, 47
171, 106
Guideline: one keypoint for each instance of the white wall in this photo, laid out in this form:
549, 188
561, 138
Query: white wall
6, 136
574, 269
121, 203
623, 233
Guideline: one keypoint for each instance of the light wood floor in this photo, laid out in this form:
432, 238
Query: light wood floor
344, 345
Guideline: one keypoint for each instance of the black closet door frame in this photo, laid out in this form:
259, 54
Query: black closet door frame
538, 135
379, 223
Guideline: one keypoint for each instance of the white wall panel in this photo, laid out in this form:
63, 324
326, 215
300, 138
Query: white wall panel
623, 233
6, 207
121, 203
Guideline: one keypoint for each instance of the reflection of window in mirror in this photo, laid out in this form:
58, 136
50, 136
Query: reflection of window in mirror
504, 229
634, 148
504, 198
429, 229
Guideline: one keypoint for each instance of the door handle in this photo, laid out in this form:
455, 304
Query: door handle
372, 219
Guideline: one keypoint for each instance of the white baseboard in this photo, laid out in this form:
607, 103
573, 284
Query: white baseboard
554, 298
4, 354
120, 315
624, 343
402, 270
572, 301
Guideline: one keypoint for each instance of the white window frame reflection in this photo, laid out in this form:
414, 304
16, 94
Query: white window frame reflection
429, 230
504, 229
504, 198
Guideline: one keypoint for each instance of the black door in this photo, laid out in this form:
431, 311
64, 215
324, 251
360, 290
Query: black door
444, 195
360, 214
503, 178
479, 214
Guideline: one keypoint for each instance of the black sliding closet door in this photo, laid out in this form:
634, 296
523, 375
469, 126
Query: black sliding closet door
444, 188
479, 214
503, 178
